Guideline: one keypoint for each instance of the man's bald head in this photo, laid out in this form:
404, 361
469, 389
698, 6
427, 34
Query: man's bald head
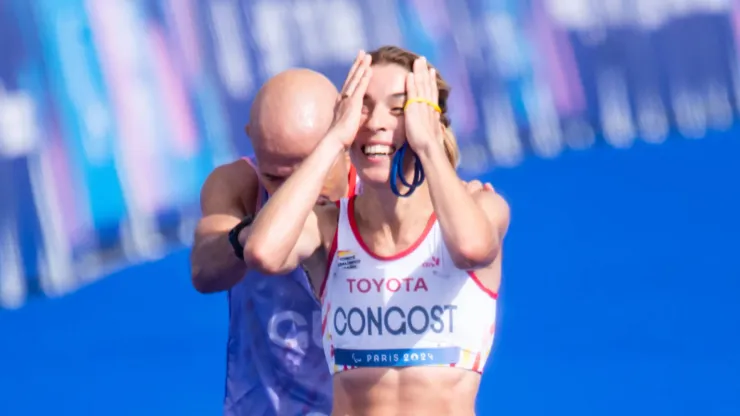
291, 113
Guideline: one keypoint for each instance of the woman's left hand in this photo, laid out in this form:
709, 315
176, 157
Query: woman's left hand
423, 125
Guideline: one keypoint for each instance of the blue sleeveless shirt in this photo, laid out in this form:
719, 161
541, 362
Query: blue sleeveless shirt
275, 359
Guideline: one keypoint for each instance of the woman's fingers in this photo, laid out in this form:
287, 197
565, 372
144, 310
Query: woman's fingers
360, 71
358, 60
411, 92
434, 115
434, 92
359, 92
420, 77
425, 82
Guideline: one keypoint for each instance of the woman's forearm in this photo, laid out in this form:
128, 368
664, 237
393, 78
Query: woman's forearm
471, 238
279, 224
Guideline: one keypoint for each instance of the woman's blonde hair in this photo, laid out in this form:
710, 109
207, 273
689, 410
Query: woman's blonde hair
405, 59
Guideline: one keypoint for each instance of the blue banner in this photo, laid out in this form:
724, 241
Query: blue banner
112, 116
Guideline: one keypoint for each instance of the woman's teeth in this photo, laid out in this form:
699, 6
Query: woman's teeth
378, 150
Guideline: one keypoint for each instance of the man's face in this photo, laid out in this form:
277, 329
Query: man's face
276, 166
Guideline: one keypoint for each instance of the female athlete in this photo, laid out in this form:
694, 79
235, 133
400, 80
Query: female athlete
408, 284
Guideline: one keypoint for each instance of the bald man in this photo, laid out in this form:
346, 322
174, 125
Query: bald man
275, 363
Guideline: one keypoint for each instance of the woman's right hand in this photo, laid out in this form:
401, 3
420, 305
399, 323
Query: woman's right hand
348, 109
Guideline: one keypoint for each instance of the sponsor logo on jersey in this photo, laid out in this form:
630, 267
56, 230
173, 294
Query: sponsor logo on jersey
391, 284
431, 263
347, 260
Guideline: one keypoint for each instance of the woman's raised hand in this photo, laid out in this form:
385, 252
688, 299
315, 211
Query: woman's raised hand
348, 109
422, 112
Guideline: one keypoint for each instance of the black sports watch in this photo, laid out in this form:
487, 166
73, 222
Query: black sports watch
234, 236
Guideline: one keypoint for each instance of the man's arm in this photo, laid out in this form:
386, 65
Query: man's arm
228, 195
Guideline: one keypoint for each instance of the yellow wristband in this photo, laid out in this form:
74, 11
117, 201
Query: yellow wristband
423, 101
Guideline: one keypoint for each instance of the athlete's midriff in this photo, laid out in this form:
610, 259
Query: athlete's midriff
405, 391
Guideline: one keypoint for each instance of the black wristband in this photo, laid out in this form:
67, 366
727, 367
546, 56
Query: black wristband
234, 236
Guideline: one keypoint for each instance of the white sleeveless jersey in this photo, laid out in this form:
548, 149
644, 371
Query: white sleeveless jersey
413, 309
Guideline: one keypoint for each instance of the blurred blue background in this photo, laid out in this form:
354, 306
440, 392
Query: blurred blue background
611, 128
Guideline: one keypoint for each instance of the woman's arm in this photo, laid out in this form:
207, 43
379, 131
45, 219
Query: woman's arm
473, 225
286, 231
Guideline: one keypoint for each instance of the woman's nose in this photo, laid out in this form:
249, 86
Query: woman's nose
376, 121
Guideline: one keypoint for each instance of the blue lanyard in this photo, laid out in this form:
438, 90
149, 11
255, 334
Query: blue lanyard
397, 172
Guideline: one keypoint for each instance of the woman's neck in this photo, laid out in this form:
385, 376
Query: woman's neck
382, 211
